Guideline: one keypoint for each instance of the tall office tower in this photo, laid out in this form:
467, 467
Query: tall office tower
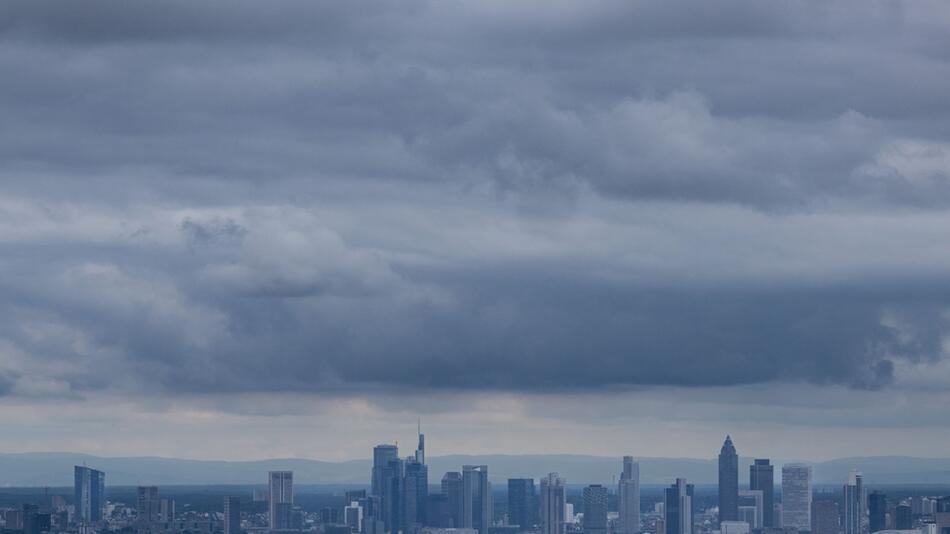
232, 515
34, 522
752, 499
796, 496
476, 498
352, 516
824, 517
391, 501
553, 501
628, 492
382, 455
679, 508
166, 510
416, 494
281, 486
421, 447
762, 477
148, 505
877, 511
90, 488
853, 512
452, 489
595, 509
904, 519
522, 503
728, 482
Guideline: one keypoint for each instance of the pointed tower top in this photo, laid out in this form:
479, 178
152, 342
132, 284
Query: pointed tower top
727, 446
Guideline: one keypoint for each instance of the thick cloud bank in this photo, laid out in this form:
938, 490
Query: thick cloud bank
482, 195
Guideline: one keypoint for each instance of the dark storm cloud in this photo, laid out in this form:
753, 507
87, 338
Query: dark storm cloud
246, 197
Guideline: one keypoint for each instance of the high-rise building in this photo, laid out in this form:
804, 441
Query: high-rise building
678, 508
796, 496
476, 498
903, 518
553, 504
166, 510
392, 499
854, 510
353, 516
421, 447
281, 486
877, 511
595, 509
728, 482
452, 489
824, 517
752, 499
522, 503
762, 477
232, 515
33, 521
628, 493
148, 505
382, 456
416, 493
89, 492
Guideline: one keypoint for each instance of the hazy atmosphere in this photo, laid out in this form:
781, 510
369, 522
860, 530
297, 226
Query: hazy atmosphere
294, 229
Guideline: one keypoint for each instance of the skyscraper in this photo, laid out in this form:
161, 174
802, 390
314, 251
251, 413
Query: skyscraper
628, 492
452, 489
421, 447
728, 482
796, 496
522, 503
903, 518
281, 487
824, 517
232, 515
148, 505
382, 455
595, 509
416, 493
392, 499
751, 499
762, 477
89, 492
877, 511
678, 508
853, 511
476, 498
553, 501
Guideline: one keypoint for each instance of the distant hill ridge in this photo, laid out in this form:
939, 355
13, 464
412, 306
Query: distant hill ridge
56, 469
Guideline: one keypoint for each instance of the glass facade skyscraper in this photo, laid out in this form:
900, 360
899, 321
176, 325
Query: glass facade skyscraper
89, 492
522, 503
728, 482
628, 493
762, 477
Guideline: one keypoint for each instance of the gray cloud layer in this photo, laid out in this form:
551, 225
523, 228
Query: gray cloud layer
546, 196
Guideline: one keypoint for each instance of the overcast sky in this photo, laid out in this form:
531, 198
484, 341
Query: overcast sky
249, 230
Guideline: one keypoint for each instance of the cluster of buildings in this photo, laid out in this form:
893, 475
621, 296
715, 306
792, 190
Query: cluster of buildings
401, 500
755, 509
